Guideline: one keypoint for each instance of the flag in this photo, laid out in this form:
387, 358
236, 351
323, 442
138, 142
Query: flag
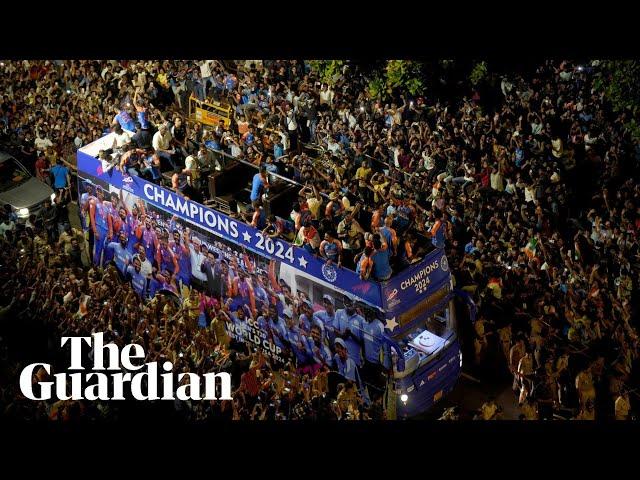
531, 247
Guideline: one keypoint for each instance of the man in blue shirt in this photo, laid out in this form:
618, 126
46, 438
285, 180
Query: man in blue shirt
318, 353
377, 355
343, 364
325, 319
138, 280
121, 255
306, 316
381, 266
349, 327
259, 185
124, 119
60, 174
275, 327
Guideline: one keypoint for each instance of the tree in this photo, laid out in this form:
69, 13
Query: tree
329, 71
478, 73
619, 81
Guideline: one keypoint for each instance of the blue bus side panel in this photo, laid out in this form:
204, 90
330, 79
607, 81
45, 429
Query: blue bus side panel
431, 383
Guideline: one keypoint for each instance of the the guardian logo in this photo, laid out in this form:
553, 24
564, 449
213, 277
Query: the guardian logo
144, 385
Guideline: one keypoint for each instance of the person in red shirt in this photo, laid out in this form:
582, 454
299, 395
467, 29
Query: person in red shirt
42, 169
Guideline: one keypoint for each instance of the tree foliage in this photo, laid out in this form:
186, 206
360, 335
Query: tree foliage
328, 71
619, 81
478, 73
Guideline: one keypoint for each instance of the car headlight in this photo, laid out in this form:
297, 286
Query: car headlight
460, 359
53, 196
23, 212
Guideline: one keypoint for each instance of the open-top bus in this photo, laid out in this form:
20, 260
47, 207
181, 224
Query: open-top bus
409, 322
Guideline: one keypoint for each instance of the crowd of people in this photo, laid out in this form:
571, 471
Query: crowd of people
534, 198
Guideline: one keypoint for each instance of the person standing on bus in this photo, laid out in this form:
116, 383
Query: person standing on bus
389, 234
100, 224
364, 263
437, 232
326, 318
259, 186
123, 118
142, 114
381, 259
331, 249
349, 327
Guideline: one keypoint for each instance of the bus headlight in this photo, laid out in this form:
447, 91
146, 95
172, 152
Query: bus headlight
23, 213
404, 397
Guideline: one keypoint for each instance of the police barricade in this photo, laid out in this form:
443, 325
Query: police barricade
209, 113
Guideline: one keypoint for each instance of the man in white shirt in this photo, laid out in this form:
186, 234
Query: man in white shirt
191, 166
6, 225
205, 73
41, 142
121, 138
162, 145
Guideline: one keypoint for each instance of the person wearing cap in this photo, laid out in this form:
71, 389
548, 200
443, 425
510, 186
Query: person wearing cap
349, 326
326, 318
342, 362
334, 208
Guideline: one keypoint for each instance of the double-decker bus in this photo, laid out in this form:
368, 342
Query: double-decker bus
403, 344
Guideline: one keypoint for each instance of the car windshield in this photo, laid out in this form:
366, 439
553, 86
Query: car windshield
12, 174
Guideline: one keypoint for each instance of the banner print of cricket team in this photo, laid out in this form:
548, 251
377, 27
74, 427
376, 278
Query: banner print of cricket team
271, 306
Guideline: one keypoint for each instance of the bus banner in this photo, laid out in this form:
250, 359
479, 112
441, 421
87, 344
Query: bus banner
416, 283
232, 230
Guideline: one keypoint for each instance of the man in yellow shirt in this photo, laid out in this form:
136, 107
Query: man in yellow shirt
362, 175
622, 406
314, 200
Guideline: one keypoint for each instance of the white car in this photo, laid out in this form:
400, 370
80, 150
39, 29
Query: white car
20, 189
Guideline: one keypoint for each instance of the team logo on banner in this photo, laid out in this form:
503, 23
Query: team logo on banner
329, 272
444, 263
